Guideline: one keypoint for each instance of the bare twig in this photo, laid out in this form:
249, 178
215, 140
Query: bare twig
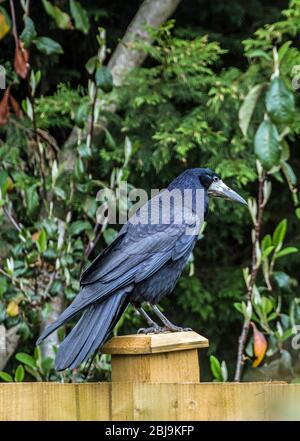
254, 269
98, 230
11, 219
92, 123
14, 22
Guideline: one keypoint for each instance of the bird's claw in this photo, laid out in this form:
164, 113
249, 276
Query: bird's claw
151, 330
175, 328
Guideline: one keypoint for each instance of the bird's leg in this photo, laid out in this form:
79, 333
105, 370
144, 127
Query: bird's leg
169, 326
153, 326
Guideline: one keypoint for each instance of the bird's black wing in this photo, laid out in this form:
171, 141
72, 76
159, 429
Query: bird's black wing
136, 255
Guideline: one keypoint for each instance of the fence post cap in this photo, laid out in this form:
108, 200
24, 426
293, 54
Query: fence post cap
154, 343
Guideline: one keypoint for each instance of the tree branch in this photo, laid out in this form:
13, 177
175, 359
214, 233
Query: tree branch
151, 13
9, 340
254, 269
11, 219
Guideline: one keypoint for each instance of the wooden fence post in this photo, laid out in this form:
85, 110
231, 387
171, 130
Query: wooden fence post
153, 358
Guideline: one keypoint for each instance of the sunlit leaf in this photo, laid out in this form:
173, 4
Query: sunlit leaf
6, 377
12, 308
62, 19
279, 233
286, 251
215, 367
19, 374
259, 345
26, 359
4, 23
80, 16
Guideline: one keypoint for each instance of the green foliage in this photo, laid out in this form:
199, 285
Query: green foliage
202, 98
219, 370
267, 146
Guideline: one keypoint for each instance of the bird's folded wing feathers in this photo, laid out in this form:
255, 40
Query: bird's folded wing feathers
141, 245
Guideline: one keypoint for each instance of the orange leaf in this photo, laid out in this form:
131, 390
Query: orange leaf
36, 236
260, 345
4, 25
12, 308
15, 105
4, 108
21, 60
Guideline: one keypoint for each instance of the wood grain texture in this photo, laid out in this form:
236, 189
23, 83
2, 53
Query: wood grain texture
53, 401
166, 367
155, 343
149, 401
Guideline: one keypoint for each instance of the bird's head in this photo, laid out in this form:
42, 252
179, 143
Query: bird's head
215, 187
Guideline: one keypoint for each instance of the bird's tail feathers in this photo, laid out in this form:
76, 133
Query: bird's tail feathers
91, 331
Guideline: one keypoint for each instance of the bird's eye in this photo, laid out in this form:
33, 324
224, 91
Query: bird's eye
215, 178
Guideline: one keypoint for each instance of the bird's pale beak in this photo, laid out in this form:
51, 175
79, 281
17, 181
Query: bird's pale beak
220, 190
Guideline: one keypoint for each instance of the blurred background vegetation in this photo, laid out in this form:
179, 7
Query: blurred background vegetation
215, 84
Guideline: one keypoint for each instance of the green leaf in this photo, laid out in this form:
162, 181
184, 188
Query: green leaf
4, 181
91, 64
224, 371
62, 19
239, 307
109, 235
266, 305
267, 251
3, 286
215, 368
6, 377
286, 251
258, 53
283, 50
109, 139
266, 242
79, 226
80, 16
26, 359
248, 106
29, 33
81, 115
289, 173
279, 233
297, 212
31, 198
47, 364
42, 241
280, 103
48, 46
266, 145
19, 374
282, 279
85, 151
104, 79
60, 192
33, 372
79, 168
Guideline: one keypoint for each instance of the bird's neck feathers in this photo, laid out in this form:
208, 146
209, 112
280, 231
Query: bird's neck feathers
190, 181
